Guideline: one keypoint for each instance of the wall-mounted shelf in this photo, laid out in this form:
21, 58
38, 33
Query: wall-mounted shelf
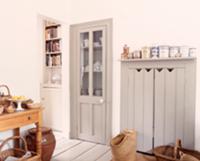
53, 25
46, 85
53, 39
54, 67
53, 53
157, 59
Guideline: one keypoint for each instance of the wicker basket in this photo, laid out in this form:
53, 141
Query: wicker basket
4, 99
15, 152
166, 153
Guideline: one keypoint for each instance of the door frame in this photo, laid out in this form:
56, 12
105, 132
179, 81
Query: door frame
73, 76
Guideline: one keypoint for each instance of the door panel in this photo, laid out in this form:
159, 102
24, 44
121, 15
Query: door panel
140, 106
148, 108
170, 109
159, 107
85, 119
169, 105
180, 108
98, 129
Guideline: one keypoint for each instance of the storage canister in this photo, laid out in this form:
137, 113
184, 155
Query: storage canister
137, 54
192, 52
163, 51
173, 51
154, 52
48, 142
184, 51
146, 52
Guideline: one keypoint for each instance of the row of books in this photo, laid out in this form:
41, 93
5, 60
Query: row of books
53, 60
53, 32
53, 46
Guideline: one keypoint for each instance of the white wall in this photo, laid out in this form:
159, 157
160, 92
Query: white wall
18, 42
139, 23
20, 58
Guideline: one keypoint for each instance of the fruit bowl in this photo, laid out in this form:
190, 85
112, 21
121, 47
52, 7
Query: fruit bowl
19, 100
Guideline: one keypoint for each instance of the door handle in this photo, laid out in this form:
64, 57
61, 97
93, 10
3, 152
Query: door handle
101, 101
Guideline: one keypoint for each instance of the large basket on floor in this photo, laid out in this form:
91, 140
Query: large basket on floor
16, 152
123, 146
166, 153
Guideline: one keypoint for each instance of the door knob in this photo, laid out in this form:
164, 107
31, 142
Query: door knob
101, 100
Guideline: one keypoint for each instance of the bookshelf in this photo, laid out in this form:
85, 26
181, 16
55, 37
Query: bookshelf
53, 55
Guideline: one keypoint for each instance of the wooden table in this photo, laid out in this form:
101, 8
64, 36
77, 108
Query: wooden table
16, 120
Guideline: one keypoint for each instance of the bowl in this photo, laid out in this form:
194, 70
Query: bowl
34, 105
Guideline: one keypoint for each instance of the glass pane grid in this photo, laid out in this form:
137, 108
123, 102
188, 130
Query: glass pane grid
84, 63
97, 63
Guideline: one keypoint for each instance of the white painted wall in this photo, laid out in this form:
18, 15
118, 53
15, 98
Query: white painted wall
143, 22
135, 22
20, 58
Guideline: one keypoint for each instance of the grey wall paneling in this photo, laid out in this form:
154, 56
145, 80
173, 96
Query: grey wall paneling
158, 101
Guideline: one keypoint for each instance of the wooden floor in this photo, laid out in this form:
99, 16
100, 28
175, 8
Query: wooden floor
75, 150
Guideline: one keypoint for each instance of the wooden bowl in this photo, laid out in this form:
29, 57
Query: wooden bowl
34, 105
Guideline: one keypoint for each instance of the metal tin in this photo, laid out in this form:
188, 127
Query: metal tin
173, 51
184, 51
137, 54
154, 52
192, 52
163, 51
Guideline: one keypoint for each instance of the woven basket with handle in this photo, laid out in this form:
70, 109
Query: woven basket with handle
166, 153
15, 152
4, 98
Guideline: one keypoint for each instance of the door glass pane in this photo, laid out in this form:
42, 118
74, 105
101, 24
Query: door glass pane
97, 63
84, 63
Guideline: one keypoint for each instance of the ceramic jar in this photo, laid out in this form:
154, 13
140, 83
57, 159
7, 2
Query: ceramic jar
125, 53
48, 142
146, 52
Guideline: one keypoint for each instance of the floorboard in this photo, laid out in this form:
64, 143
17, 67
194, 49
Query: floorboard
106, 157
74, 152
63, 145
93, 154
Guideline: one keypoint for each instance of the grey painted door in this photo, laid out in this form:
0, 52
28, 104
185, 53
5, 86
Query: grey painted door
91, 81
91, 106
